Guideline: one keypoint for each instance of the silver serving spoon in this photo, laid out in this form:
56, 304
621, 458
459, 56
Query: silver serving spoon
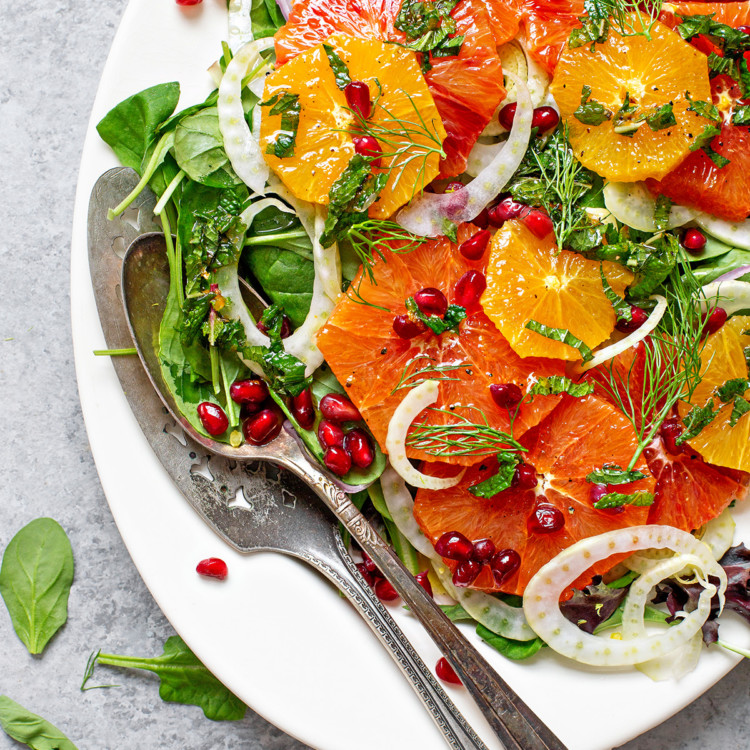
145, 281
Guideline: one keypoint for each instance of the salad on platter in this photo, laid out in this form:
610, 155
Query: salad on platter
503, 250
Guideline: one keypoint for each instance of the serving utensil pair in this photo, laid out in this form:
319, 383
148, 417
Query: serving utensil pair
281, 512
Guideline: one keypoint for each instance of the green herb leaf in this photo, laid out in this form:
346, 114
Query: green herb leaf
719, 160
456, 613
695, 420
662, 207
704, 109
557, 384
705, 137
732, 388
338, 66
739, 409
501, 479
614, 474
731, 40
266, 18
591, 113
184, 680
32, 730
449, 322
516, 650
35, 580
428, 26
617, 499
560, 334
662, 118
287, 105
622, 309
741, 115
130, 127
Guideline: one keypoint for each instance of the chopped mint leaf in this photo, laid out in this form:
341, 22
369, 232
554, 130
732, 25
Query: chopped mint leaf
622, 309
662, 118
428, 26
338, 66
450, 230
732, 388
287, 105
718, 65
618, 499
561, 334
449, 322
740, 408
695, 420
662, 207
719, 160
554, 385
704, 109
501, 480
705, 138
741, 115
591, 113
614, 474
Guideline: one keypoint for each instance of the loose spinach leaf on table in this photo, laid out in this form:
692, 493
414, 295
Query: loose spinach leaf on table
35, 580
199, 150
32, 730
184, 680
129, 128
516, 650
266, 18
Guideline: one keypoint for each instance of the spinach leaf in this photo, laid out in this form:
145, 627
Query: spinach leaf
35, 580
726, 259
184, 680
32, 730
456, 613
501, 479
266, 18
516, 650
554, 385
562, 335
199, 150
130, 127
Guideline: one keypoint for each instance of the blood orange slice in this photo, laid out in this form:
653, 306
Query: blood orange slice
376, 366
580, 435
548, 24
466, 88
732, 14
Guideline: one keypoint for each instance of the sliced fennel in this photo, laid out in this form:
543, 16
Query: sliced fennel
633, 204
736, 234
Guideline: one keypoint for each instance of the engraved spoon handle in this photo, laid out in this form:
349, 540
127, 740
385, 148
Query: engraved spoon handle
515, 724
339, 568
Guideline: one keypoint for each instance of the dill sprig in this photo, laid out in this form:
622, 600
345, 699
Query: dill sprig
672, 367
633, 17
462, 437
431, 370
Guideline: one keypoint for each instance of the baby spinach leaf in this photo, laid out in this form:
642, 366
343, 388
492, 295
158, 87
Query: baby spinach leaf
516, 650
456, 613
35, 580
130, 127
554, 385
184, 680
617, 499
32, 730
725, 260
199, 150
614, 474
501, 480
562, 335
266, 18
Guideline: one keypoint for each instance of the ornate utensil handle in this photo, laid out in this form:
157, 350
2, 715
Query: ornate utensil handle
515, 724
340, 569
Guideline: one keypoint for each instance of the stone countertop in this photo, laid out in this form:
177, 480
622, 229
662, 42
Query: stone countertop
52, 55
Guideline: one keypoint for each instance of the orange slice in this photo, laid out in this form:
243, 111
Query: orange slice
654, 73
579, 436
530, 279
324, 145
372, 362
724, 358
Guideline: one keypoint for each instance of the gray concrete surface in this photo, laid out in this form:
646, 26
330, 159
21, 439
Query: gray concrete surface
51, 57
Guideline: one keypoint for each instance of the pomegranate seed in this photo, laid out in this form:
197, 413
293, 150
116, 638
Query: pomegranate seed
546, 519
597, 492
424, 582
366, 145
384, 591
262, 427
302, 408
538, 222
451, 187
431, 301
212, 567
474, 247
744, 29
213, 418
250, 408
445, 672
504, 564
505, 210
506, 395
246, 391
455, 546
370, 566
482, 220
357, 444
670, 430
330, 435
407, 328
484, 549
466, 573
338, 408
638, 316
693, 240
714, 320
337, 460
286, 327
506, 115
469, 288
357, 95
525, 477
188, 2
366, 574
544, 118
